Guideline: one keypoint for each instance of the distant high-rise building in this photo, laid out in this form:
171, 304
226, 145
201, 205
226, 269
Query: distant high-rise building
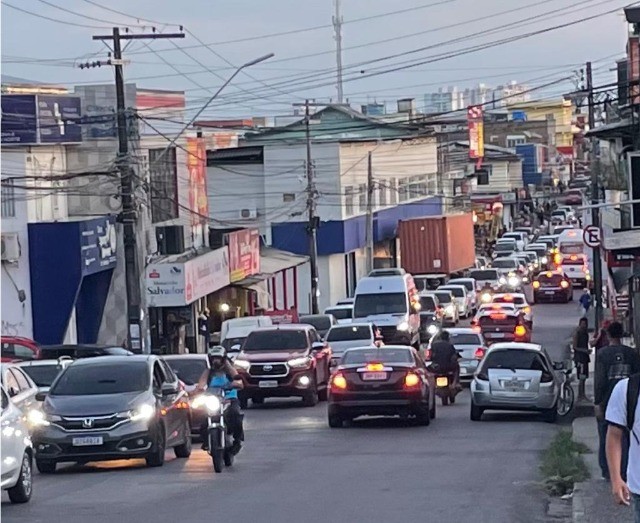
454, 99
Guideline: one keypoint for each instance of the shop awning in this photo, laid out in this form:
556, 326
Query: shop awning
272, 261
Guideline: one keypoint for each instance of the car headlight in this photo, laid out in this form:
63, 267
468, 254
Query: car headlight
242, 364
502, 280
209, 402
544, 259
299, 363
432, 329
142, 413
37, 418
450, 309
403, 326
514, 281
486, 297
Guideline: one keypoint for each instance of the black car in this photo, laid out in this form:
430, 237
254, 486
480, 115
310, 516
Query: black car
552, 286
387, 381
189, 368
112, 407
87, 350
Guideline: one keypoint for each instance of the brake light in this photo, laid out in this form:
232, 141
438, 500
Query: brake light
476, 328
557, 259
508, 297
527, 310
573, 257
495, 316
338, 381
564, 284
411, 380
536, 284
479, 353
520, 331
375, 367
427, 354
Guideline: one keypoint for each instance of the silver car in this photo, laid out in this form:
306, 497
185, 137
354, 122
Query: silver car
343, 337
515, 376
44, 372
469, 345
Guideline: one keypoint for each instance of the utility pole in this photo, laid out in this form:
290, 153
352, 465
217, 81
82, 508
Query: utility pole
595, 199
312, 226
369, 226
128, 217
337, 26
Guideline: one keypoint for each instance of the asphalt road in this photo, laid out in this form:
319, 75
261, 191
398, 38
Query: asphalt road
294, 468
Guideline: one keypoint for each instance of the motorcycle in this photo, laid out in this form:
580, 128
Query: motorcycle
446, 388
219, 438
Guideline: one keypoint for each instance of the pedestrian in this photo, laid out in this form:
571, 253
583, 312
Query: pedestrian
614, 363
601, 339
203, 328
585, 302
623, 418
581, 356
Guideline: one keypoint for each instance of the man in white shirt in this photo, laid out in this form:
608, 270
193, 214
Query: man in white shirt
616, 416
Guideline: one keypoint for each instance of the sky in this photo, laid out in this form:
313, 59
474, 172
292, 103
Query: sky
416, 47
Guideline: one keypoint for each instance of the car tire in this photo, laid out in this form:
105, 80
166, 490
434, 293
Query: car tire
257, 401
550, 415
21, 491
432, 410
423, 417
46, 467
184, 450
310, 398
476, 412
156, 457
336, 421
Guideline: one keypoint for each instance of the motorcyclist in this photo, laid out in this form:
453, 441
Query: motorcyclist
222, 375
486, 292
378, 338
444, 357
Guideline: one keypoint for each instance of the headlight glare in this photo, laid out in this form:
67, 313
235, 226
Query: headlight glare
403, 326
142, 413
242, 364
298, 363
37, 418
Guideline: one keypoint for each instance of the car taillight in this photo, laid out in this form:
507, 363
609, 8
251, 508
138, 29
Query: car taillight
495, 316
479, 353
411, 380
527, 310
427, 354
520, 330
338, 382
564, 284
475, 328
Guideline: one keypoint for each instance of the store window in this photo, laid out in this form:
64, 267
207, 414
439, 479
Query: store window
163, 178
348, 200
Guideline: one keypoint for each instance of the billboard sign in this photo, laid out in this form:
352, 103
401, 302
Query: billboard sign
244, 254
197, 167
19, 119
476, 132
98, 242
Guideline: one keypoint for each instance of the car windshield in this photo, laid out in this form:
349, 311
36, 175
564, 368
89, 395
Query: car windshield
444, 297
540, 250
456, 291
188, 370
427, 303
341, 314
467, 283
42, 375
387, 303
276, 340
464, 339
230, 342
513, 235
103, 378
517, 300
550, 279
351, 333
484, 275
385, 355
502, 263
504, 247
515, 359
321, 323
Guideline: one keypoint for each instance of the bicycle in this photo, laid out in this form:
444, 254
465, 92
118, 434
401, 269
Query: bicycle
567, 396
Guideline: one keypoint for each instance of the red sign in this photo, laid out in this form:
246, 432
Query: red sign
244, 254
476, 132
286, 316
197, 166
633, 51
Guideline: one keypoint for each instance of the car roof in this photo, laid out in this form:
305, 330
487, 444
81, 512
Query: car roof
352, 324
516, 345
285, 327
315, 316
509, 311
515, 294
99, 360
365, 347
450, 285
35, 363
461, 330
453, 280
341, 306
184, 357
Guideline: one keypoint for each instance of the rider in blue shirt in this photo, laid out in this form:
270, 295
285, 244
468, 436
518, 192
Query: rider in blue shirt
222, 375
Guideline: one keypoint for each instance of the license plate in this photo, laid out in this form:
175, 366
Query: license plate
442, 381
268, 384
87, 441
514, 385
374, 376
549, 292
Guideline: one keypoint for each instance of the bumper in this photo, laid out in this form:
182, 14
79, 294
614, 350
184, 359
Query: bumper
545, 399
10, 477
376, 404
557, 295
285, 387
467, 369
131, 440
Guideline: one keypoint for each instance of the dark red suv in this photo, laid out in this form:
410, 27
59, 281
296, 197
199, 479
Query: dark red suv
17, 348
283, 361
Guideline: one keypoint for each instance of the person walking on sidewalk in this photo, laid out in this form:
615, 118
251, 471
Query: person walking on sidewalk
623, 416
581, 356
613, 364
585, 302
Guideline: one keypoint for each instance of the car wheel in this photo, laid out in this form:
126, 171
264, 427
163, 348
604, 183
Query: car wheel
335, 421
432, 410
257, 401
184, 450
21, 492
310, 398
46, 467
476, 412
550, 415
156, 457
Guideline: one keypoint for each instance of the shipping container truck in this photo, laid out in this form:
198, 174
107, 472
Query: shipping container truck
440, 245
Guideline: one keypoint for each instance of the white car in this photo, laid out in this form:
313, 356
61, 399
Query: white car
519, 300
485, 308
43, 372
471, 285
521, 238
461, 298
342, 313
343, 337
17, 452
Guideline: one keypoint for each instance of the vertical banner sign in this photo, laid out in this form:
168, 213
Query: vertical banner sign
476, 132
634, 68
196, 163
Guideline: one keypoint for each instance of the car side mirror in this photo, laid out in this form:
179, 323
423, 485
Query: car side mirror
235, 348
317, 346
169, 388
40, 396
558, 365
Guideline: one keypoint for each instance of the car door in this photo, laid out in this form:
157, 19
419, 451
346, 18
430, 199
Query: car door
26, 397
168, 400
180, 402
11, 445
321, 356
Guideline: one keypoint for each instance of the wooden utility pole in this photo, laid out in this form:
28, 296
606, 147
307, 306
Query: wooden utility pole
369, 225
312, 227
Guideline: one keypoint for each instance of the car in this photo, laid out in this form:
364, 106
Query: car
387, 381
576, 268
84, 350
17, 452
504, 248
18, 348
469, 345
524, 268
450, 310
482, 262
551, 240
235, 330
489, 307
519, 300
284, 361
471, 285
345, 301
542, 251
552, 286
573, 196
534, 261
189, 368
559, 229
44, 372
343, 337
112, 407
510, 271
515, 376
520, 237
342, 313
501, 324
429, 302
20, 387
461, 297
321, 322
484, 278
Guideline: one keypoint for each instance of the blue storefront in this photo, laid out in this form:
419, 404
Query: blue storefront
71, 265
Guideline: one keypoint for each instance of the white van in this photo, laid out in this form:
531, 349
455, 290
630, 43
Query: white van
390, 300
235, 330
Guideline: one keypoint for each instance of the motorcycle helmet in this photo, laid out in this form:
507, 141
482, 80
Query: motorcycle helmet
216, 352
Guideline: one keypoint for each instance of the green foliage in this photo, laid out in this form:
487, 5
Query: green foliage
563, 465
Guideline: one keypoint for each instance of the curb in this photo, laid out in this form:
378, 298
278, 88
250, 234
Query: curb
578, 509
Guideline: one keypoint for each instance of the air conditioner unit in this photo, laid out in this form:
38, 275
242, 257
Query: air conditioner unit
248, 214
10, 246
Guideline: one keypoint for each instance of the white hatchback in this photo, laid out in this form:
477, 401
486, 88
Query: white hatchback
17, 452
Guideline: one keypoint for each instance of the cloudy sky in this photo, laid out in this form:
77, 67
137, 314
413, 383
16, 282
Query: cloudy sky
415, 47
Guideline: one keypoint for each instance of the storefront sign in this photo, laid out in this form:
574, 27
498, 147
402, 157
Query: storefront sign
179, 284
196, 164
283, 316
476, 131
98, 242
244, 254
